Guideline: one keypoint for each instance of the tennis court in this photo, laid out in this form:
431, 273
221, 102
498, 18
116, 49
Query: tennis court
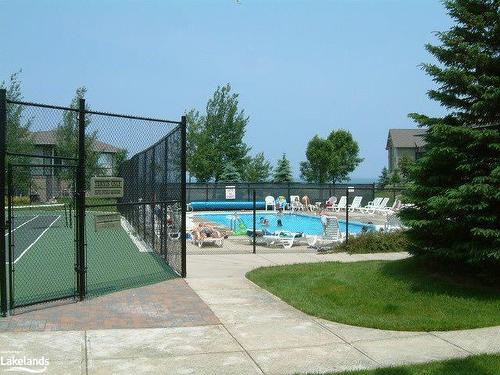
43, 256
89, 208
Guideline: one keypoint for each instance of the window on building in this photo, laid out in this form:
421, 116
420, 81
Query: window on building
106, 163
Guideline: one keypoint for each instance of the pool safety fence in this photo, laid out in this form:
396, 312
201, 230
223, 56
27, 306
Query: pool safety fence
94, 202
277, 224
227, 195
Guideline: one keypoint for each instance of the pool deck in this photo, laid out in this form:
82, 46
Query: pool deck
241, 244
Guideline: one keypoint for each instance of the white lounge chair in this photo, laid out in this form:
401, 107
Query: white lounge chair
306, 203
369, 208
396, 206
342, 205
331, 236
356, 204
382, 206
284, 238
330, 203
206, 234
295, 204
270, 202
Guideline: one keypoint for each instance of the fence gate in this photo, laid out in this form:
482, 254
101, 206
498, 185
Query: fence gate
94, 202
41, 237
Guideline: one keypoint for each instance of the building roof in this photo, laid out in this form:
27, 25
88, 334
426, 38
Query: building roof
406, 138
48, 138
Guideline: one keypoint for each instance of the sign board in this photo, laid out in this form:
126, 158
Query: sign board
230, 192
106, 187
350, 189
107, 221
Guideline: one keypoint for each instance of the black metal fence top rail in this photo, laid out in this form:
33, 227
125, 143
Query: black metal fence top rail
43, 165
131, 117
313, 185
31, 104
109, 114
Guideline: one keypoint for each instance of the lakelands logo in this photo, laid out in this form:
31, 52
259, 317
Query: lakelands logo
13, 363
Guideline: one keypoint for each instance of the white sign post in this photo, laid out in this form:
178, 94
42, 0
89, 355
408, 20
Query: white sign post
230, 192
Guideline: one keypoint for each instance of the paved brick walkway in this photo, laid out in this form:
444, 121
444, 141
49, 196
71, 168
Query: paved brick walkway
171, 303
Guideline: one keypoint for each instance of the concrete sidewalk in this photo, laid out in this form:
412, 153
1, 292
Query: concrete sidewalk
257, 333
280, 339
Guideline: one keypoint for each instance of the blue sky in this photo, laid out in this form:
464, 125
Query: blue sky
301, 67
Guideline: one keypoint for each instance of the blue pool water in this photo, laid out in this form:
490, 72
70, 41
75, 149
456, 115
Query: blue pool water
291, 222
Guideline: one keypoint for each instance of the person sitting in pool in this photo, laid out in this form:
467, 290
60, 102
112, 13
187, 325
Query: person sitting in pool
264, 221
279, 223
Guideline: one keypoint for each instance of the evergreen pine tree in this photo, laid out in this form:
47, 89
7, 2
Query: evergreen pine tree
258, 169
456, 184
283, 171
383, 179
230, 173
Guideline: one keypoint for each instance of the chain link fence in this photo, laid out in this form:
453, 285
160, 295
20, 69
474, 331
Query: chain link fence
93, 202
291, 217
208, 192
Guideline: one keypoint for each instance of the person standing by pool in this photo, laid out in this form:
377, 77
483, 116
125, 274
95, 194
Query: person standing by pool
323, 218
279, 222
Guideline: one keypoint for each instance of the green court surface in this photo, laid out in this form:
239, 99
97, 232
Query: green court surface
44, 258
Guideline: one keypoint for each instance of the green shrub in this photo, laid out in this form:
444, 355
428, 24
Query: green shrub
375, 242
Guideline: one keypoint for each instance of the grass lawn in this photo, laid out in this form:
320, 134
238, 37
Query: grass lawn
396, 295
477, 365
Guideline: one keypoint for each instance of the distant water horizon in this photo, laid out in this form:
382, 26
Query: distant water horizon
363, 180
353, 180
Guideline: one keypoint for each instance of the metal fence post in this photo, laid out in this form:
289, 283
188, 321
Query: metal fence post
153, 197
254, 234
347, 215
80, 203
3, 149
9, 242
183, 196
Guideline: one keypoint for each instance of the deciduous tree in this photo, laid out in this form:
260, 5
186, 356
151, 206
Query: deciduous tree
330, 159
216, 138
67, 138
18, 137
258, 169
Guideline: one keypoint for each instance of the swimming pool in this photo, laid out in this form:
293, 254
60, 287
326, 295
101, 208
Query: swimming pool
291, 222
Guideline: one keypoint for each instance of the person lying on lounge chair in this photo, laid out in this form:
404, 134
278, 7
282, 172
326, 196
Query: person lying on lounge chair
204, 233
